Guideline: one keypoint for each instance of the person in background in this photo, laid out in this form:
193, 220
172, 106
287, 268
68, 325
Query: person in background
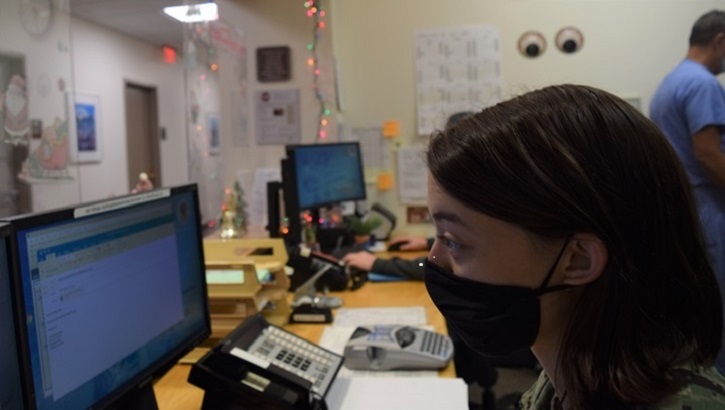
564, 222
397, 267
689, 108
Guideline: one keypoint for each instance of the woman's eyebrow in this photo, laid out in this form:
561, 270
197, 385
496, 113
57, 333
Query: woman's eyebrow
441, 216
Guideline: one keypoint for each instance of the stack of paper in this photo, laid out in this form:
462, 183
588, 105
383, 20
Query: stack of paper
365, 393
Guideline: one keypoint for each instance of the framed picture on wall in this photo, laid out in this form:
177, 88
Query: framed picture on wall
84, 127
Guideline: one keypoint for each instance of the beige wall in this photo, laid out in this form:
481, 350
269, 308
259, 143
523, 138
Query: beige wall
629, 46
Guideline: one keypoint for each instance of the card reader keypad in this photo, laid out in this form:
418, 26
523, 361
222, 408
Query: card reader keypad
298, 356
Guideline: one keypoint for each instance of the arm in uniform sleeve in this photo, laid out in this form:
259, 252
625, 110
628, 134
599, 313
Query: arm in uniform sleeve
403, 268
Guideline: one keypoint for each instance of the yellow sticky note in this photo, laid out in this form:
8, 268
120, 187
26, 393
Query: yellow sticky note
385, 181
391, 129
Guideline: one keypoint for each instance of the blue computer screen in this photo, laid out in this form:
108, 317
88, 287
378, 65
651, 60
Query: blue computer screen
11, 393
109, 295
328, 173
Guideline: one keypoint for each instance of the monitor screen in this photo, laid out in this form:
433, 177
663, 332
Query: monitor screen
114, 293
11, 391
327, 173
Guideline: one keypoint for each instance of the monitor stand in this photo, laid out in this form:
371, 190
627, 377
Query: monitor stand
273, 209
142, 398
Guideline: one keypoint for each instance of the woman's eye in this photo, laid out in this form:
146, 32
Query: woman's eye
452, 245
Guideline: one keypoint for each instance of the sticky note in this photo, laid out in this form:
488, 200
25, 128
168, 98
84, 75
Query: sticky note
391, 129
385, 181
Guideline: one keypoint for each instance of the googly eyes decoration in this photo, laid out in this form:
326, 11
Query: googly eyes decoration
569, 40
532, 44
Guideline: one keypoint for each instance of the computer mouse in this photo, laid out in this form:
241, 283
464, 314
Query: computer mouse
395, 246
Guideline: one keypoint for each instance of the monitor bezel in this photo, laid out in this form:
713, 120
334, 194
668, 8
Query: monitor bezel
7, 232
291, 151
142, 380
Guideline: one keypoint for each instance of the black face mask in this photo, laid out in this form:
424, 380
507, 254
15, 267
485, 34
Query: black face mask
494, 320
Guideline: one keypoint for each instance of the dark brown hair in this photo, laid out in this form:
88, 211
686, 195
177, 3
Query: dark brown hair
707, 27
567, 159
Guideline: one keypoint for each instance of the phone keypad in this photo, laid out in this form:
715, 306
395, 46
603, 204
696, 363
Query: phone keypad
297, 356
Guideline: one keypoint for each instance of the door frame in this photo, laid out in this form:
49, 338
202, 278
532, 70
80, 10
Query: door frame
155, 130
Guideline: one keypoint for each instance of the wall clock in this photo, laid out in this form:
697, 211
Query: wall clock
35, 15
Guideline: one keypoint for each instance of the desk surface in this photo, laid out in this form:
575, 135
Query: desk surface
174, 392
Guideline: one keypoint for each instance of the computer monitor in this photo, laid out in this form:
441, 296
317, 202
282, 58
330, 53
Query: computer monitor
317, 175
326, 174
113, 293
11, 378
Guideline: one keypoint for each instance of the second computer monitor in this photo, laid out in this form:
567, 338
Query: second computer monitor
327, 174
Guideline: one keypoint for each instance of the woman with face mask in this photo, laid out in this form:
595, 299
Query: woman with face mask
565, 223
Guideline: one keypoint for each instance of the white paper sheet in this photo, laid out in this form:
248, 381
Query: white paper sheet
225, 276
277, 115
254, 184
412, 175
352, 317
398, 394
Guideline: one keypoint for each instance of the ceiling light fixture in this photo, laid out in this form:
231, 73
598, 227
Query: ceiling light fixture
193, 13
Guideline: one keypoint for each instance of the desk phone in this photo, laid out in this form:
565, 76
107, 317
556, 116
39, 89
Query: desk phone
261, 365
298, 356
395, 347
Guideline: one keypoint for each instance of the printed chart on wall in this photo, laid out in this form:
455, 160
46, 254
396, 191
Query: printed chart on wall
277, 117
376, 150
412, 180
457, 69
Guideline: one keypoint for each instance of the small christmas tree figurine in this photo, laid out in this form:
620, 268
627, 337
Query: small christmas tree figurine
241, 218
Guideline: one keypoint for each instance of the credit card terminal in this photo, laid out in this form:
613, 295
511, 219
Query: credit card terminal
395, 347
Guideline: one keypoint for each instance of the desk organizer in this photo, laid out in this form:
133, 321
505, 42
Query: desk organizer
234, 288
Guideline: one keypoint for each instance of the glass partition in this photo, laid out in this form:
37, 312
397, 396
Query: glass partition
36, 167
215, 69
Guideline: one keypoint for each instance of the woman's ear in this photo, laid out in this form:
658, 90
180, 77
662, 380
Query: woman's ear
584, 260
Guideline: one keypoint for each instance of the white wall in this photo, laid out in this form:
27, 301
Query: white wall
629, 46
103, 61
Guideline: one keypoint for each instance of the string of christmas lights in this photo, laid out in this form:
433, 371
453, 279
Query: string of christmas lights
315, 12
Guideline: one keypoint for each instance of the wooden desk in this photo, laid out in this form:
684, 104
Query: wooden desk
174, 392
